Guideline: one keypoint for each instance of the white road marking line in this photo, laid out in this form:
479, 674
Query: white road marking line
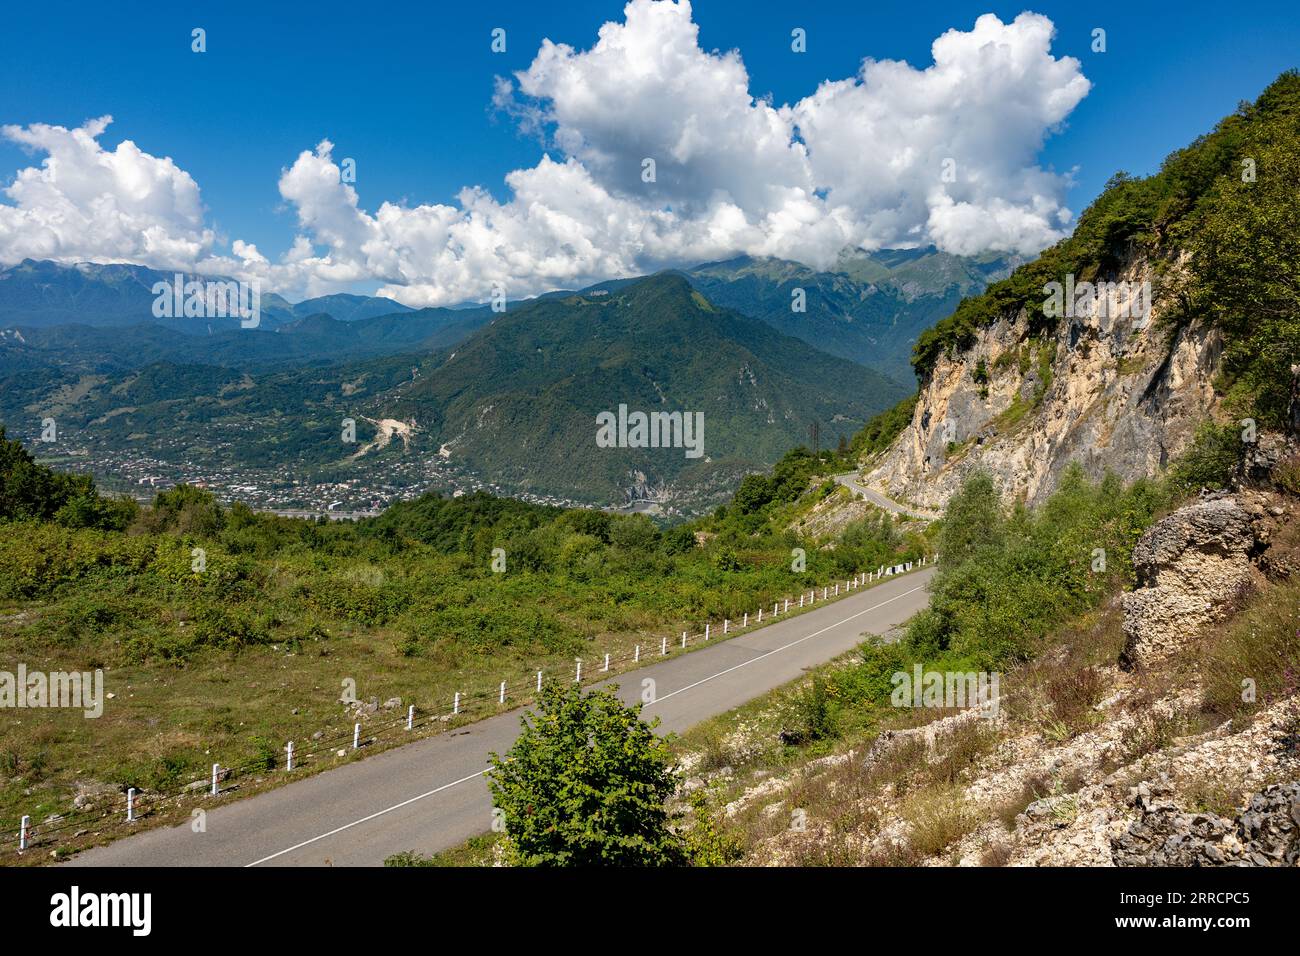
448, 786
783, 647
347, 826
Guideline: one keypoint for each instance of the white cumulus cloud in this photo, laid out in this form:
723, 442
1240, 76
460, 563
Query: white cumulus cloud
85, 203
895, 155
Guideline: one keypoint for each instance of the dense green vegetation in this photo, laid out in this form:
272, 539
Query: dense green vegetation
221, 629
30, 491
1008, 579
879, 433
1228, 199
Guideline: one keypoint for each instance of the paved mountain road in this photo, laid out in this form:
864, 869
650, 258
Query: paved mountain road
851, 481
431, 794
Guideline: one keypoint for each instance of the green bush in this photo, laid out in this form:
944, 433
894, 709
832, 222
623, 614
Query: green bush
586, 784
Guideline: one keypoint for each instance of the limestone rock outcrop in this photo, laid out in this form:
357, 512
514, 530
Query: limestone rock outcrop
1114, 393
1193, 567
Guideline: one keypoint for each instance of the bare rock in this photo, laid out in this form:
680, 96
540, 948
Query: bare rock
1192, 566
1261, 458
1266, 834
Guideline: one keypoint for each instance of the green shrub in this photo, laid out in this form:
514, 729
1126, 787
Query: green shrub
586, 784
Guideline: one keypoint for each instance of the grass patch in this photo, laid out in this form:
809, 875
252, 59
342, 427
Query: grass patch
1254, 660
476, 851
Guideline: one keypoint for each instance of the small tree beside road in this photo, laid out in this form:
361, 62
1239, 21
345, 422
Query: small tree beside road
586, 784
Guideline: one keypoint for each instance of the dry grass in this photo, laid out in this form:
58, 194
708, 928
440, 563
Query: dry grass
1205, 795
936, 819
1255, 659
996, 853
961, 749
1056, 694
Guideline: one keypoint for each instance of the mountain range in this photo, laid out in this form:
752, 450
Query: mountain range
869, 308
510, 398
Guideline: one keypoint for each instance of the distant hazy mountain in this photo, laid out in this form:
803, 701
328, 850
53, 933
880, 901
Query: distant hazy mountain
313, 339
42, 294
101, 317
868, 308
349, 308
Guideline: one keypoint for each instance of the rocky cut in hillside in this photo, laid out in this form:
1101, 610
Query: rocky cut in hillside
1176, 300
1159, 727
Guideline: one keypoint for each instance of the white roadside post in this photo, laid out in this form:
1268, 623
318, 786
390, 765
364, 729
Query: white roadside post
455, 704
787, 605
410, 717
760, 615
288, 749
725, 625
502, 698
824, 590
356, 736
24, 827
776, 608
636, 655
746, 621
663, 646
606, 662
801, 599
215, 768
577, 678
130, 804
837, 588
539, 682
706, 630
683, 640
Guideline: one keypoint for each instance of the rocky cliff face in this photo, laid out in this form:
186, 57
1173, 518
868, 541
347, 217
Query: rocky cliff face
1107, 389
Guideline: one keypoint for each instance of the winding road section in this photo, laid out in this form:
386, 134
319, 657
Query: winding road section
851, 481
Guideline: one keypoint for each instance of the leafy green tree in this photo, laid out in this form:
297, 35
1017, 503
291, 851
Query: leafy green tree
755, 491
634, 533
679, 539
790, 475
187, 510
30, 490
586, 784
973, 520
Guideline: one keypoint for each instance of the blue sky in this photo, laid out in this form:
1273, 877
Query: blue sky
406, 89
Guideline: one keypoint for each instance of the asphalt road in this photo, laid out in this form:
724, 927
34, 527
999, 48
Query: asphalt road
852, 482
431, 795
